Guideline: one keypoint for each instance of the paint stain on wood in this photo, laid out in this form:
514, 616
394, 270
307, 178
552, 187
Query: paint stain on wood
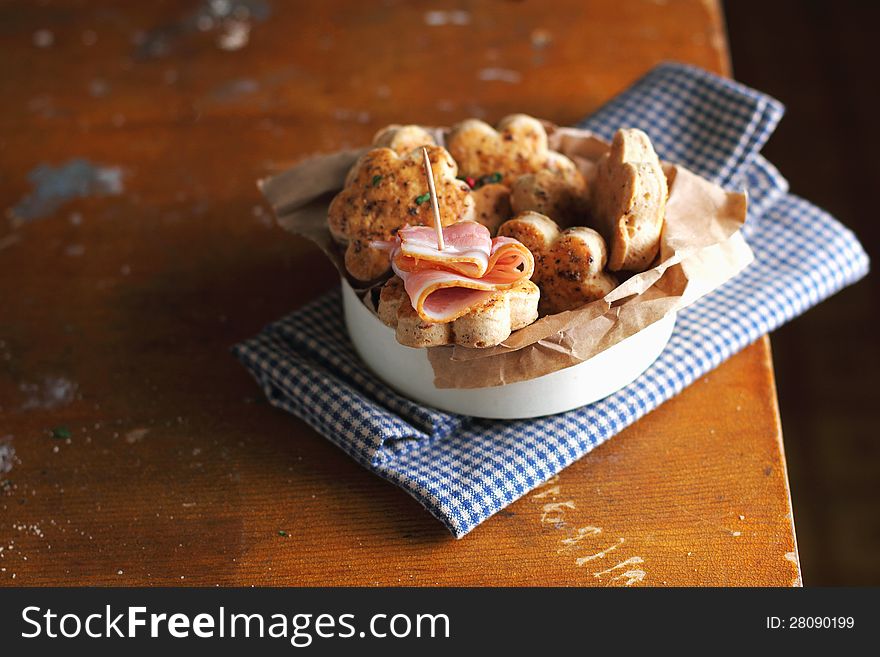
601, 554
7, 455
583, 543
583, 532
629, 577
554, 512
136, 435
230, 21
552, 491
55, 185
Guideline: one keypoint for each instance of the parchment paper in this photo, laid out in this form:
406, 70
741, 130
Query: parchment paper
700, 248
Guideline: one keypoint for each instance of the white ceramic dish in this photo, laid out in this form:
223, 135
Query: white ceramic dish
408, 371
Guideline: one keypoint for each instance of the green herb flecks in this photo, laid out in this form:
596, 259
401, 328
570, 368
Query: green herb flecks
423, 198
376, 181
61, 433
283, 533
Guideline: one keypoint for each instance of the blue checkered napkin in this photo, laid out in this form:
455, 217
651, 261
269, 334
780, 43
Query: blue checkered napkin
463, 469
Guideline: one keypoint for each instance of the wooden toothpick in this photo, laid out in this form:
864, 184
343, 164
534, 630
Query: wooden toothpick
438, 226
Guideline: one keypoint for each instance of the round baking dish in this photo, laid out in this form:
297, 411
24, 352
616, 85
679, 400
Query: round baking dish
408, 371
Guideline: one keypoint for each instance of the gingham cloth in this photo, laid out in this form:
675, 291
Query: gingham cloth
463, 469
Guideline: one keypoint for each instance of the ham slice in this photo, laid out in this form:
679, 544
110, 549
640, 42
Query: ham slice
471, 269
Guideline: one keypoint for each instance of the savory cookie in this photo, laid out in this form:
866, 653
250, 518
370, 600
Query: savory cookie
516, 147
402, 139
558, 191
629, 201
486, 326
383, 192
568, 264
492, 205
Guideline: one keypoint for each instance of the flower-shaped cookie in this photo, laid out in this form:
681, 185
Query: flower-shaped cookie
516, 147
569, 263
558, 191
383, 192
486, 326
629, 201
492, 205
402, 139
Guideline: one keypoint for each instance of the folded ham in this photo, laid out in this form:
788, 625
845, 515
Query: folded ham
472, 268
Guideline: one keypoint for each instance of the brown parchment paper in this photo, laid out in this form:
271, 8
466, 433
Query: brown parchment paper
700, 248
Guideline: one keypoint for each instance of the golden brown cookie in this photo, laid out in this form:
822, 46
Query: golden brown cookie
486, 326
402, 139
629, 201
558, 191
518, 146
569, 264
384, 191
492, 205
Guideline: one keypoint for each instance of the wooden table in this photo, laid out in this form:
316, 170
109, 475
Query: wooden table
141, 452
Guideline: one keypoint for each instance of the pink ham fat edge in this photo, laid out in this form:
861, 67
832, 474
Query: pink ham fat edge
472, 268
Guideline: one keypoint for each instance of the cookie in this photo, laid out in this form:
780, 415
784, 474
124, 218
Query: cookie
492, 205
402, 139
629, 201
518, 146
558, 191
569, 264
385, 191
486, 326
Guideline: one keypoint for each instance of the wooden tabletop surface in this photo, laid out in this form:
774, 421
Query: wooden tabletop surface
134, 449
